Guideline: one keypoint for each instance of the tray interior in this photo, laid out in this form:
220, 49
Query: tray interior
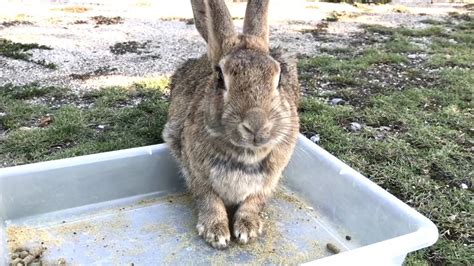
161, 228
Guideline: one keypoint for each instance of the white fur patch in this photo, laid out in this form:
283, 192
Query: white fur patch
226, 79
234, 186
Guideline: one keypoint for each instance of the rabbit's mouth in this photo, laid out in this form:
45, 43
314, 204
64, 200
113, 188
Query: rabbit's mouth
252, 145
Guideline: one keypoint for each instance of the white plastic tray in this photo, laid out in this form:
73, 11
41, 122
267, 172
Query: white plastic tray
128, 206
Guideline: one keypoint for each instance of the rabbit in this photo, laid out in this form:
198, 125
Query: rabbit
232, 122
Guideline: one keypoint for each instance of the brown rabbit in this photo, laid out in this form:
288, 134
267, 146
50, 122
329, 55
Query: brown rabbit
233, 121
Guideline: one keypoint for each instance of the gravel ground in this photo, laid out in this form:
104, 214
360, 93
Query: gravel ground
157, 44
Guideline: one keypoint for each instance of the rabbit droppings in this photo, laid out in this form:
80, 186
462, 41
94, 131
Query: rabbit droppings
233, 122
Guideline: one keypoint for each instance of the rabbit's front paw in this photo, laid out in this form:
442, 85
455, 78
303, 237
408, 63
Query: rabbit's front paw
217, 234
247, 227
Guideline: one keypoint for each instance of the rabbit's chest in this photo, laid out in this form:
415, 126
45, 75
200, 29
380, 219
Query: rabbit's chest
235, 181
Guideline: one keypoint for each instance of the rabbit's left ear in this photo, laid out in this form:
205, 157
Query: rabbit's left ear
200, 17
256, 20
220, 29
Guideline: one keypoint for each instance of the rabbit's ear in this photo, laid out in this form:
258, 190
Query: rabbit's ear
220, 29
256, 19
200, 17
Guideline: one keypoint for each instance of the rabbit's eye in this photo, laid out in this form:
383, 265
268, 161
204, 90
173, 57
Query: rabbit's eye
218, 70
220, 78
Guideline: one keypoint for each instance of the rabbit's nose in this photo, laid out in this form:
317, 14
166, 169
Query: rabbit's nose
256, 127
258, 135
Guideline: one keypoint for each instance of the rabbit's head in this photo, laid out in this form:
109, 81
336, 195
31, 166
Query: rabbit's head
247, 103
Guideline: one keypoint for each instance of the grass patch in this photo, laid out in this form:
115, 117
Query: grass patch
336, 50
122, 48
423, 159
456, 48
415, 142
101, 20
346, 74
14, 23
451, 42
432, 21
117, 118
20, 51
334, 65
401, 44
426, 32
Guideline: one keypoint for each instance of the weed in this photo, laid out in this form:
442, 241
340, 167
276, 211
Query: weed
129, 47
101, 20
20, 51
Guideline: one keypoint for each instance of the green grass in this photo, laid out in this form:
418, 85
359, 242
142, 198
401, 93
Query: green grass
20, 51
332, 64
77, 131
401, 44
423, 160
432, 21
426, 154
425, 32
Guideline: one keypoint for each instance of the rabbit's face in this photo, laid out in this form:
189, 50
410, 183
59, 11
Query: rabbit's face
254, 111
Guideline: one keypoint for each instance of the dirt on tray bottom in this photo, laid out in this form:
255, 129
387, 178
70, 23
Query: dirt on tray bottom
276, 246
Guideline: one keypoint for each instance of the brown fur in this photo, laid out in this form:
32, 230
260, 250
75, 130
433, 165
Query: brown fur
256, 19
233, 136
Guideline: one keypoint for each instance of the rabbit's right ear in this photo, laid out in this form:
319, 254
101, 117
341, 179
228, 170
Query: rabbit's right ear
214, 23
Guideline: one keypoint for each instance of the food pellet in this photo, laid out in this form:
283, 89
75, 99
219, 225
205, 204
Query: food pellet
61, 262
348, 237
333, 248
28, 259
23, 254
14, 256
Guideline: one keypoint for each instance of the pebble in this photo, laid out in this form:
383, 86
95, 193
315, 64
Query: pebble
355, 127
333, 248
452, 41
464, 186
316, 138
337, 101
380, 136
